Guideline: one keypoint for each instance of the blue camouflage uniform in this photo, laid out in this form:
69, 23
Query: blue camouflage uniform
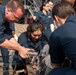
63, 43
27, 42
6, 29
47, 20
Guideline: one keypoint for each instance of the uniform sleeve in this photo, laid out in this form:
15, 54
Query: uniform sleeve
2, 35
45, 40
12, 27
22, 40
57, 55
37, 14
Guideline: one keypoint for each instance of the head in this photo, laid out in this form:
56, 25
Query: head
34, 30
44, 6
61, 11
14, 11
51, 4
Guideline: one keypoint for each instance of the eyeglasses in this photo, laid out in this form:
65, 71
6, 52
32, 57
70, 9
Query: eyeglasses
16, 18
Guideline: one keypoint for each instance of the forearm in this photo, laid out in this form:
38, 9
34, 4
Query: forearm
11, 44
13, 40
14, 45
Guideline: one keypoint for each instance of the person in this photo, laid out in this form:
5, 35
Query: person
32, 38
45, 17
10, 29
63, 39
12, 12
5, 53
51, 4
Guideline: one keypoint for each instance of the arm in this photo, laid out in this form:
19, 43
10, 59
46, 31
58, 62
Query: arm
12, 44
7, 41
56, 53
37, 15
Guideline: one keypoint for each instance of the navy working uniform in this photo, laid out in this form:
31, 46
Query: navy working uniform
3, 35
63, 43
5, 53
47, 20
4, 32
26, 41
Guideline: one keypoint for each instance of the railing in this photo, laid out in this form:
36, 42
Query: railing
32, 6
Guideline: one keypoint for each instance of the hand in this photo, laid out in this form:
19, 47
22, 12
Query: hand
13, 33
24, 52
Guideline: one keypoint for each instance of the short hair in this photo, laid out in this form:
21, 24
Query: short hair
34, 25
14, 5
50, 1
63, 9
43, 4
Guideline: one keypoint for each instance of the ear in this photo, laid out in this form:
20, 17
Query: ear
8, 9
56, 18
57, 21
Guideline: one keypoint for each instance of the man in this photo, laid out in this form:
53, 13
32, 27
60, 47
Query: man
10, 29
13, 11
63, 39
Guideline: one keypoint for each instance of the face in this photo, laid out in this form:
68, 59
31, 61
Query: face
50, 5
36, 35
13, 16
46, 7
